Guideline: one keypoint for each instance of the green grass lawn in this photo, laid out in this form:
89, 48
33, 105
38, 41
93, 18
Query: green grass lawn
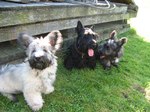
117, 90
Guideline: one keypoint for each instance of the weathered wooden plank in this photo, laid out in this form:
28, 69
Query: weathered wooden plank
99, 28
103, 30
29, 1
11, 52
39, 12
10, 33
23, 1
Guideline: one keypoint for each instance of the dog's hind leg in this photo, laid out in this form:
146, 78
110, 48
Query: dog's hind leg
10, 96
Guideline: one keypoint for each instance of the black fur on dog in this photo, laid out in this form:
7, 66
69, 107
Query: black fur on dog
82, 52
111, 50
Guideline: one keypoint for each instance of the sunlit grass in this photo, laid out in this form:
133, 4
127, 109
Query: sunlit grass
147, 90
142, 25
142, 22
117, 90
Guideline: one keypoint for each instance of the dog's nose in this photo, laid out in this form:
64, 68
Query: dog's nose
38, 58
50, 62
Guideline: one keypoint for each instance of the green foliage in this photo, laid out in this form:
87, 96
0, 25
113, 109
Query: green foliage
116, 90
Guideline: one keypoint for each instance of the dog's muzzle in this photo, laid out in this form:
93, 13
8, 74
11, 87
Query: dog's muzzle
40, 62
91, 49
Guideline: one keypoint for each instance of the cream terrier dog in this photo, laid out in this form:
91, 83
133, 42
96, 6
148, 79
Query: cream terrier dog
37, 74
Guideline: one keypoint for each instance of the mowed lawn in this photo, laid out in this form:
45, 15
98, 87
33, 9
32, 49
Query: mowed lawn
117, 90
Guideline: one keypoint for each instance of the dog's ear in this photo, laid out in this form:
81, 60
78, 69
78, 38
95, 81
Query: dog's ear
123, 40
113, 34
55, 39
92, 27
80, 29
24, 40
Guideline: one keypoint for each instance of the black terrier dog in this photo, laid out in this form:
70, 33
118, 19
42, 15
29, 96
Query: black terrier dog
111, 50
82, 52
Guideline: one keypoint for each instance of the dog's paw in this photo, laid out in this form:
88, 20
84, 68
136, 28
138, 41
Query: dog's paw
107, 67
49, 90
115, 65
34, 100
36, 106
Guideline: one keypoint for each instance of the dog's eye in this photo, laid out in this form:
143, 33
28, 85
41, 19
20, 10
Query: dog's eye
107, 46
33, 51
44, 50
93, 35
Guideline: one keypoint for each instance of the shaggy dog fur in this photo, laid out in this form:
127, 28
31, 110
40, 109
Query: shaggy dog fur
110, 51
82, 52
37, 74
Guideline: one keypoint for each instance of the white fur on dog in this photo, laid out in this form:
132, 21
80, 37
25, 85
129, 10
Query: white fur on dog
30, 81
22, 78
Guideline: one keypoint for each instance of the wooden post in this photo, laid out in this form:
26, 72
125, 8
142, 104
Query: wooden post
23, 1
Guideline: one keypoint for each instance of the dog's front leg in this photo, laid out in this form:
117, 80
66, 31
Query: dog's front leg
115, 62
106, 64
33, 98
48, 83
91, 63
48, 87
